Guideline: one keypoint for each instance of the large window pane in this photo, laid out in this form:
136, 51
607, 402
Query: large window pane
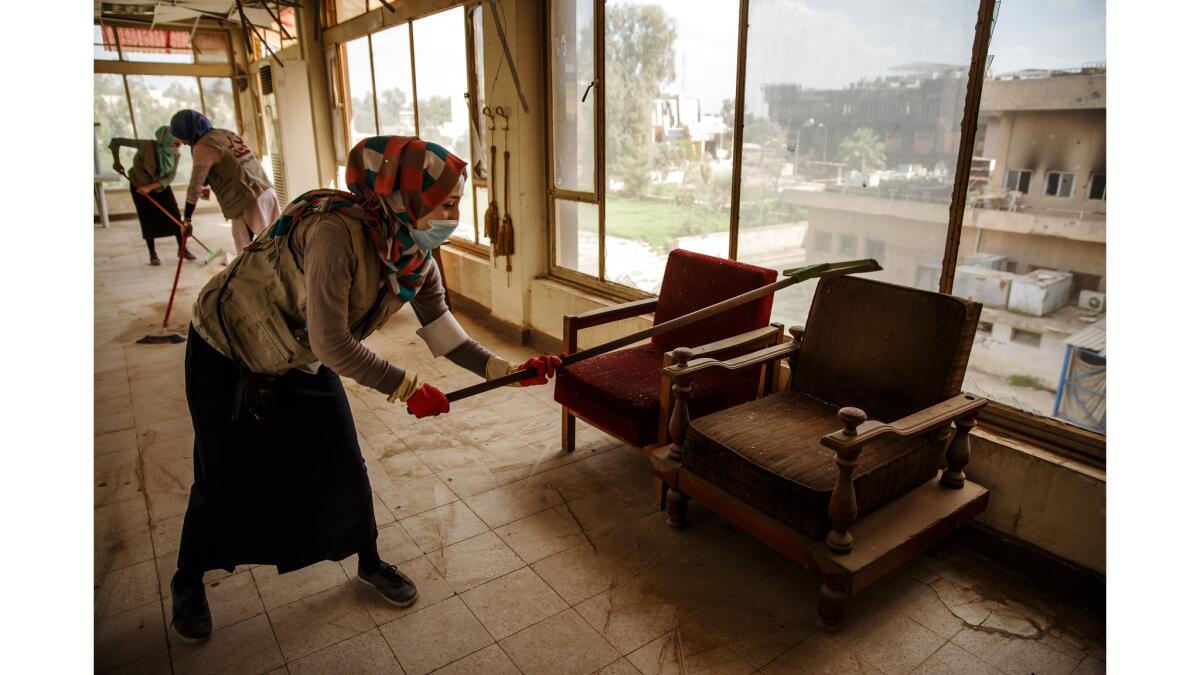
441, 51
393, 80
576, 236
111, 110
573, 70
853, 111
440, 43
362, 93
670, 71
1033, 245
218, 102
155, 99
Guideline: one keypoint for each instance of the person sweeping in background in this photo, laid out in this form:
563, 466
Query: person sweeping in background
221, 160
150, 178
279, 476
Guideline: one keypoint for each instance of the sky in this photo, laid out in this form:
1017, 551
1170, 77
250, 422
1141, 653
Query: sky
832, 43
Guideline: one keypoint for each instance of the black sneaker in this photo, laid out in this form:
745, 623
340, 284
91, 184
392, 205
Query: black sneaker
391, 582
190, 617
155, 262
187, 255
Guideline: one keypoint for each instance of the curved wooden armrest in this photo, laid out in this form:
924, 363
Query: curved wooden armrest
755, 358
917, 423
603, 315
715, 350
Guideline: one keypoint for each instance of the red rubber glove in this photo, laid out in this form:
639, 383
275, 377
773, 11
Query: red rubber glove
545, 366
428, 401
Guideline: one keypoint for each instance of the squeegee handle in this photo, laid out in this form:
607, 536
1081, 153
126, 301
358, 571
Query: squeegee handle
176, 221
791, 276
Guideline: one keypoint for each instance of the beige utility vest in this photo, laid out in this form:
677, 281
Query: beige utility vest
263, 301
238, 179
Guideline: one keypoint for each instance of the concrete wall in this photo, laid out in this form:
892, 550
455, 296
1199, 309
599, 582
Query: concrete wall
1033, 251
1057, 504
1049, 140
296, 127
1070, 92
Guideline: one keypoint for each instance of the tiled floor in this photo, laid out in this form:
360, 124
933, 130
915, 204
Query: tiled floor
527, 560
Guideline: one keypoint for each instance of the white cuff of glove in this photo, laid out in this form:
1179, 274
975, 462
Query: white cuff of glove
497, 368
443, 334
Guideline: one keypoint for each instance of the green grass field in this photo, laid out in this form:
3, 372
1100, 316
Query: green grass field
652, 222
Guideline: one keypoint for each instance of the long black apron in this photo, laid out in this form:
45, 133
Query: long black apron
154, 222
289, 491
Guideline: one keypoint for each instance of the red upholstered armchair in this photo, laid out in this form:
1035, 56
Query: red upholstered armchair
624, 392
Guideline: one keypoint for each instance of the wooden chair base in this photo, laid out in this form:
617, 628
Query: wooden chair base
884, 540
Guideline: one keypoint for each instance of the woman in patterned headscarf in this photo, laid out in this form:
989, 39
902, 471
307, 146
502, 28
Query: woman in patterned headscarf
150, 178
279, 477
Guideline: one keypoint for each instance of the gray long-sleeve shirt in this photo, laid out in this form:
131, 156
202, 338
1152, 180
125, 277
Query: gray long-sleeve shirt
323, 248
144, 170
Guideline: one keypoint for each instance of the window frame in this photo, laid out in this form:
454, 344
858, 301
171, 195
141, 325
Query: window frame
197, 71
1087, 192
1053, 434
1057, 194
1026, 173
377, 20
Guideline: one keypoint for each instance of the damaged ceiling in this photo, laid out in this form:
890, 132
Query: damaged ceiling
154, 12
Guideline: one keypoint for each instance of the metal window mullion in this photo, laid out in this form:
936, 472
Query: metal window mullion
116, 41
601, 181
200, 88
412, 66
472, 103
237, 107
129, 103
374, 91
966, 148
739, 119
548, 136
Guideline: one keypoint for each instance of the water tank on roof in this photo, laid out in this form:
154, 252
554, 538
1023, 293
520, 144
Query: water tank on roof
1040, 292
982, 284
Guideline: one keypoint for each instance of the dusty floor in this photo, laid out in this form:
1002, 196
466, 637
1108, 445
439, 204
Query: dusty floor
527, 560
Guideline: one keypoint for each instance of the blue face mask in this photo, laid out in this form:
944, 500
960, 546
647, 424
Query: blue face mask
439, 231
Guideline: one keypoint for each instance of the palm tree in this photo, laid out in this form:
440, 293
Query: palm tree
864, 149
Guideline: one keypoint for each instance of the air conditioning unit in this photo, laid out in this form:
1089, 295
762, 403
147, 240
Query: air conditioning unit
1092, 301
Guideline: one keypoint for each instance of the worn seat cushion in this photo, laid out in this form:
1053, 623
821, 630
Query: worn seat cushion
619, 391
768, 454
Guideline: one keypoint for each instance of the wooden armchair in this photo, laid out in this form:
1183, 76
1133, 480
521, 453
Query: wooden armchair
624, 392
805, 470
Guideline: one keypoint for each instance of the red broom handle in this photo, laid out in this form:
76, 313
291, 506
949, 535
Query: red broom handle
173, 219
175, 284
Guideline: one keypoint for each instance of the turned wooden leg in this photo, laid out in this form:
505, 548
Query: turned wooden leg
831, 607
958, 453
681, 388
676, 508
843, 505
568, 431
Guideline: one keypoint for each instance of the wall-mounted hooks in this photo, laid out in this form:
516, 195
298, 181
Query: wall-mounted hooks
491, 125
500, 112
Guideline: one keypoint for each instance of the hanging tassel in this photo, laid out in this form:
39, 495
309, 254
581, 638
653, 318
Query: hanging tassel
491, 217
505, 246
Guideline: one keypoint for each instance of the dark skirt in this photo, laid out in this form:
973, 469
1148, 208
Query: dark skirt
288, 491
154, 222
